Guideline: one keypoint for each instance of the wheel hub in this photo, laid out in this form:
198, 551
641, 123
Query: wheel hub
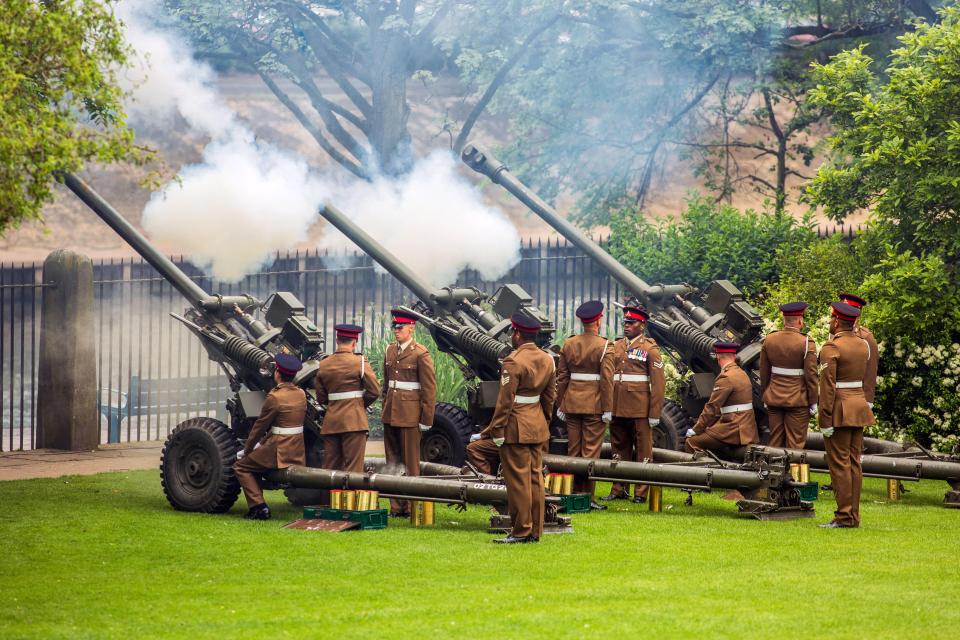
197, 468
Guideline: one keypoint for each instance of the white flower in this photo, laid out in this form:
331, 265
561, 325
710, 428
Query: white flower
917, 381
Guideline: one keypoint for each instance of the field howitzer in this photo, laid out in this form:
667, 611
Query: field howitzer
196, 462
466, 323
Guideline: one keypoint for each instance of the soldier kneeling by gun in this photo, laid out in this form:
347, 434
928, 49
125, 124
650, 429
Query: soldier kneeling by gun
727, 420
281, 421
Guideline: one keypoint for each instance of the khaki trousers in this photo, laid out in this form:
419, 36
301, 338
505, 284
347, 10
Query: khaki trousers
846, 475
706, 442
344, 451
402, 446
788, 426
585, 433
484, 455
632, 440
248, 474
523, 474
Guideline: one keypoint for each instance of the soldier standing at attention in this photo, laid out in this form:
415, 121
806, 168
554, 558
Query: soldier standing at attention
409, 397
844, 411
870, 377
585, 390
727, 420
788, 379
520, 427
281, 421
346, 384
638, 390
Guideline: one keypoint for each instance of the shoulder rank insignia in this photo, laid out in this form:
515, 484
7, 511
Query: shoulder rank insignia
658, 365
504, 380
821, 367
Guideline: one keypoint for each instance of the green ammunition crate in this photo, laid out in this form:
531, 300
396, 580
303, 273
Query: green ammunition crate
575, 503
809, 491
373, 519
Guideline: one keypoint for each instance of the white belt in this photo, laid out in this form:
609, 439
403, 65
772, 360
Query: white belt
526, 399
344, 395
852, 384
592, 377
405, 386
630, 377
734, 408
286, 431
781, 371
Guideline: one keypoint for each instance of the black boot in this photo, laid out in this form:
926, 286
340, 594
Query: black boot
615, 496
511, 540
597, 507
259, 512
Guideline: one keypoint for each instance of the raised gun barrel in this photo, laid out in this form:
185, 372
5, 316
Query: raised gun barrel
482, 161
189, 289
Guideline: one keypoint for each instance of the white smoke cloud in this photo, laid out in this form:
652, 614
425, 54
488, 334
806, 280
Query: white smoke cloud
246, 199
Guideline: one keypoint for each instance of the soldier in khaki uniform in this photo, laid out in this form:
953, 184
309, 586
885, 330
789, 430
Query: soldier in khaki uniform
870, 377
483, 454
844, 412
585, 390
727, 420
520, 427
281, 421
638, 390
409, 399
788, 379
346, 384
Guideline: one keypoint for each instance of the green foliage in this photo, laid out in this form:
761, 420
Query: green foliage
60, 104
708, 241
896, 142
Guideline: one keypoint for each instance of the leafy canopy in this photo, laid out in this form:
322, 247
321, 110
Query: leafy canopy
60, 104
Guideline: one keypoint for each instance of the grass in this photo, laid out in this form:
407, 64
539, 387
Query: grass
105, 557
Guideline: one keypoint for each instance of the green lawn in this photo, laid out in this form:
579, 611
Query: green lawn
105, 556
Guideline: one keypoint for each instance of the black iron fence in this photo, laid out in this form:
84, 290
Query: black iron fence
152, 373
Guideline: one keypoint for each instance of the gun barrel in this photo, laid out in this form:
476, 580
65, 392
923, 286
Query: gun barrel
171, 272
482, 161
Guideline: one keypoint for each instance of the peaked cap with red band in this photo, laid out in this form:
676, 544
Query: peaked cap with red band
852, 300
844, 311
352, 331
402, 317
524, 323
590, 311
726, 347
287, 364
793, 308
635, 314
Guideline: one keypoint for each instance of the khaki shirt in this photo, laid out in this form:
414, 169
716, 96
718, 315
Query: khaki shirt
345, 371
527, 372
284, 406
788, 349
844, 359
732, 387
870, 376
590, 354
408, 407
638, 399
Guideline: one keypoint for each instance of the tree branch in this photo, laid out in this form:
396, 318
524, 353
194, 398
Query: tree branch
338, 44
425, 35
497, 81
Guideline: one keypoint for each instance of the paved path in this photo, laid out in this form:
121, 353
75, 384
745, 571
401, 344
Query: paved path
51, 463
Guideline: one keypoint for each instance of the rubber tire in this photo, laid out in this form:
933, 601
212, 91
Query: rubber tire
210, 445
446, 441
314, 458
671, 433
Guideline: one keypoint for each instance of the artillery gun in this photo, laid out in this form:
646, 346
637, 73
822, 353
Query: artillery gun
196, 463
468, 324
684, 322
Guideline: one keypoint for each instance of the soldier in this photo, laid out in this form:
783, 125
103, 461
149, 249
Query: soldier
346, 384
788, 379
844, 412
870, 377
727, 420
585, 390
409, 397
281, 421
638, 389
483, 454
520, 427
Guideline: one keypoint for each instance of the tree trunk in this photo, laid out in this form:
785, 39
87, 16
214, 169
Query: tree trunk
388, 121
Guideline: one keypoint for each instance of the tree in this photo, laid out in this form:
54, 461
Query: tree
370, 49
60, 104
896, 142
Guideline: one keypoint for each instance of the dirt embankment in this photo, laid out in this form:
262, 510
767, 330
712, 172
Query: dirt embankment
68, 224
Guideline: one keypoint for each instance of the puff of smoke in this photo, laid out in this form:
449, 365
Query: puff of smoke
432, 219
